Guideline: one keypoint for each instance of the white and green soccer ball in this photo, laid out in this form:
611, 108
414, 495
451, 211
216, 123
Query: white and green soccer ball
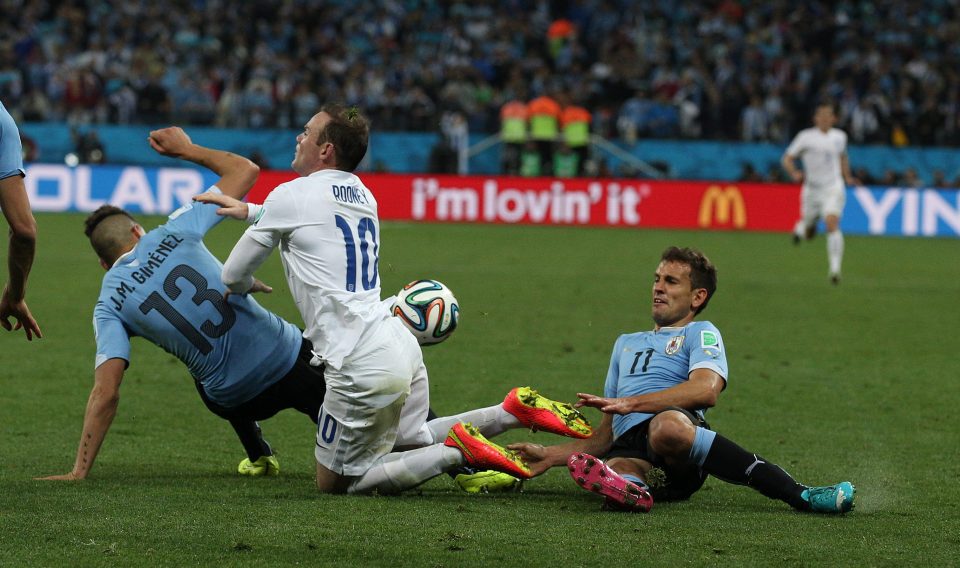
429, 310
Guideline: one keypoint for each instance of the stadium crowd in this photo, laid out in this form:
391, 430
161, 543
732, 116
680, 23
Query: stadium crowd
722, 69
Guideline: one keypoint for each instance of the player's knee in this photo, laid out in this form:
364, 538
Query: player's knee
671, 434
617, 464
629, 466
328, 481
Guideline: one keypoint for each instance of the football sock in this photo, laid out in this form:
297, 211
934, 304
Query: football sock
734, 464
252, 438
800, 229
403, 470
835, 250
490, 421
702, 442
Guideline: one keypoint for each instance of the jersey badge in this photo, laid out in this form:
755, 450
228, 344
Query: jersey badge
673, 347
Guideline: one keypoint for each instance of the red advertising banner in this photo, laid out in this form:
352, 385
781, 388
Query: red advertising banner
548, 201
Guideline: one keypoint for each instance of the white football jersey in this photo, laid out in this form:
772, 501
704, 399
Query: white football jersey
820, 152
327, 228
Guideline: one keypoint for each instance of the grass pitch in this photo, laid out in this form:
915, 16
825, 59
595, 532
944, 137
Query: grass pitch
853, 382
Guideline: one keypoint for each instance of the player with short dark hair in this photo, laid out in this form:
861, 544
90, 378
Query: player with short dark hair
23, 230
326, 226
826, 167
658, 388
164, 285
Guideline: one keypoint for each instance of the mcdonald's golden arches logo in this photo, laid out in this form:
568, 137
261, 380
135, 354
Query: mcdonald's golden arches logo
723, 204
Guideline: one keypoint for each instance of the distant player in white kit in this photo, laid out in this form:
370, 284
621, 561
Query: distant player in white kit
326, 226
823, 150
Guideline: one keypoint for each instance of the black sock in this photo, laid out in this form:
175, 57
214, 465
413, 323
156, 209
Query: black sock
732, 463
252, 439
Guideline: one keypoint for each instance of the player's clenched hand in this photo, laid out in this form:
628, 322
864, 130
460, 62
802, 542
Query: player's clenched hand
172, 141
604, 404
535, 456
229, 206
21, 313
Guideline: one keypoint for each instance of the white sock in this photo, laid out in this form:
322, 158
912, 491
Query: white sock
835, 250
398, 471
800, 229
491, 421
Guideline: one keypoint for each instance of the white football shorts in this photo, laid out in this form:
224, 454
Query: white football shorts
819, 202
361, 411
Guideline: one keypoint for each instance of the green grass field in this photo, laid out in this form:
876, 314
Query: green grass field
855, 382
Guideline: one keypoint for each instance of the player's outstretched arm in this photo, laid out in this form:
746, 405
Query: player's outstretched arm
23, 243
237, 174
700, 390
229, 207
541, 458
101, 409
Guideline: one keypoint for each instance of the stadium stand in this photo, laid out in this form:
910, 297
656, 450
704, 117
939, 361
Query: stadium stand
715, 70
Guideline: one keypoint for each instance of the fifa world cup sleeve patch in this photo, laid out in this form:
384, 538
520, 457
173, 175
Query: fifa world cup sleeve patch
710, 343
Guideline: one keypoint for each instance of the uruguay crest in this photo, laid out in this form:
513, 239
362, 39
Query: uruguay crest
673, 347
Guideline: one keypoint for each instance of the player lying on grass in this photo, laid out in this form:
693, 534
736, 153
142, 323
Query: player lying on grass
653, 435
164, 286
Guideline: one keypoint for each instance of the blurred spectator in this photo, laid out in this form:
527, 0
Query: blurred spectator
443, 157
559, 35
775, 174
575, 121
153, 102
455, 130
864, 175
192, 104
566, 162
632, 121
513, 135
911, 179
88, 149
939, 179
259, 159
754, 121
890, 178
898, 135
748, 173
544, 127
603, 169
531, 164
29, 148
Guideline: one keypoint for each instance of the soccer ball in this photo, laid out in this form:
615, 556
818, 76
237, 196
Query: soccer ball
428, 309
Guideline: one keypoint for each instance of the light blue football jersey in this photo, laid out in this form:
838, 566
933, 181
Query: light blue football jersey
11, 152
651, 361
168, 291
